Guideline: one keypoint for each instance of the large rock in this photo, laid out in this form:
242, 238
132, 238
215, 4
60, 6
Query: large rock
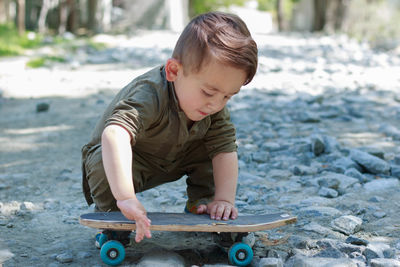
381, 185
161, 258
385, 263
302, 261
347, 224
336, 181
371, 163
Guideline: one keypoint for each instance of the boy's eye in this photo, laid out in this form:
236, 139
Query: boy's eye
206, 93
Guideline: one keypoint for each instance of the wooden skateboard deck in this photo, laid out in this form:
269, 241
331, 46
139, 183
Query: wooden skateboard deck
185, 222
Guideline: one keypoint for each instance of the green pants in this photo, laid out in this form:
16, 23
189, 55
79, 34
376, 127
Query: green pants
195, 164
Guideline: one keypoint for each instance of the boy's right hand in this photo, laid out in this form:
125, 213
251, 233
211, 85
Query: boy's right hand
132, 209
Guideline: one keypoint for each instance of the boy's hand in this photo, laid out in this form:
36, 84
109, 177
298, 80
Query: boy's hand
132, 209
219, 209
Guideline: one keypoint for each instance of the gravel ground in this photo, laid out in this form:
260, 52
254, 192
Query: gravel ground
318, 134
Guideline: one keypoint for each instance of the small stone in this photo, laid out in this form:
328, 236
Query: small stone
65, 257
397, 159
42, 107
270, 262
375, 250
385, 263
352, 172
356, 241
161, 258
376, 199
395, 171
328, 192
347, 224
379, 214
389, 253
381, 185
371, 163
317, 145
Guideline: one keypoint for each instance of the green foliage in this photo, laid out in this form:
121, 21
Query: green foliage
42, 61
202, 6
11, 43
270, 6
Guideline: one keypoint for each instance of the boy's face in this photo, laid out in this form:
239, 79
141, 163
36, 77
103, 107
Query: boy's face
206, 92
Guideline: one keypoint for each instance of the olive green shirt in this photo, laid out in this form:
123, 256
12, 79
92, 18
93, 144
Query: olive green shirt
148, 109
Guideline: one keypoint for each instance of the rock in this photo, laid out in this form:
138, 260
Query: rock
343, 164
315, 211
331, 144
381, 185
371, 163
397, 159
327, 192
330, 253
336, 181
42, 107
395, 171
347, 224
161, 258
390, 131
385, 263
303, 261
375, 250
270, 262
379, 214
356, 241
317, 145
376, 199
315, 227
65, 257
352, 172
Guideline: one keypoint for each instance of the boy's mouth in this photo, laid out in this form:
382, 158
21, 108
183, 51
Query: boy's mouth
203, 113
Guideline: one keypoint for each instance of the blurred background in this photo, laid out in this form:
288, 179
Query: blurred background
26, 23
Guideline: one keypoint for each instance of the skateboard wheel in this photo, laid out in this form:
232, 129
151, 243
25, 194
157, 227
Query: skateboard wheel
112, 253
240, 254
100, 240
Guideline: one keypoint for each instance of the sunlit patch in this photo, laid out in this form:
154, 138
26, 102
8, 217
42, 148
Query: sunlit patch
36, 130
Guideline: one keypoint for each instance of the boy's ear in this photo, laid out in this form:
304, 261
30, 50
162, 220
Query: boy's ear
172, 67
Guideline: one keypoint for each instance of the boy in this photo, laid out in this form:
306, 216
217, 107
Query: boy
172, 121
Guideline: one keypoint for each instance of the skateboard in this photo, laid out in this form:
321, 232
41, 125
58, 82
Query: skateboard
112, 252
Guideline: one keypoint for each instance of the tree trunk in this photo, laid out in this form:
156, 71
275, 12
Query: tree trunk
336, 11
279, 12
319, 15
21, 16
92, 8
42, 16
63, 14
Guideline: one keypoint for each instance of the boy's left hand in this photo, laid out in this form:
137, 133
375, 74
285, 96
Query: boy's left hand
219, 209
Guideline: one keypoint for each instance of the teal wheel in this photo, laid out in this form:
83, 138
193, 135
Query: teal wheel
100, 240
112, 253
240, 254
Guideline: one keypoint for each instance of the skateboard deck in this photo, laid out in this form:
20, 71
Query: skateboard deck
187, 222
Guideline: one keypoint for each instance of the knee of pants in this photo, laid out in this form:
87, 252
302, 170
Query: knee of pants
98, 184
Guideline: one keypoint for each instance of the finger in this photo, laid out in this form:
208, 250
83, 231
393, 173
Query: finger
234, 213
219, 212
227, 213
213, 211
201, 209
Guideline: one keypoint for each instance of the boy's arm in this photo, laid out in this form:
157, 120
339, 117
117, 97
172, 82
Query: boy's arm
117, 161
225, 168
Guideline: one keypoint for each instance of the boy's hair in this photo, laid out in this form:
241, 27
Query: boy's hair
220, 36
